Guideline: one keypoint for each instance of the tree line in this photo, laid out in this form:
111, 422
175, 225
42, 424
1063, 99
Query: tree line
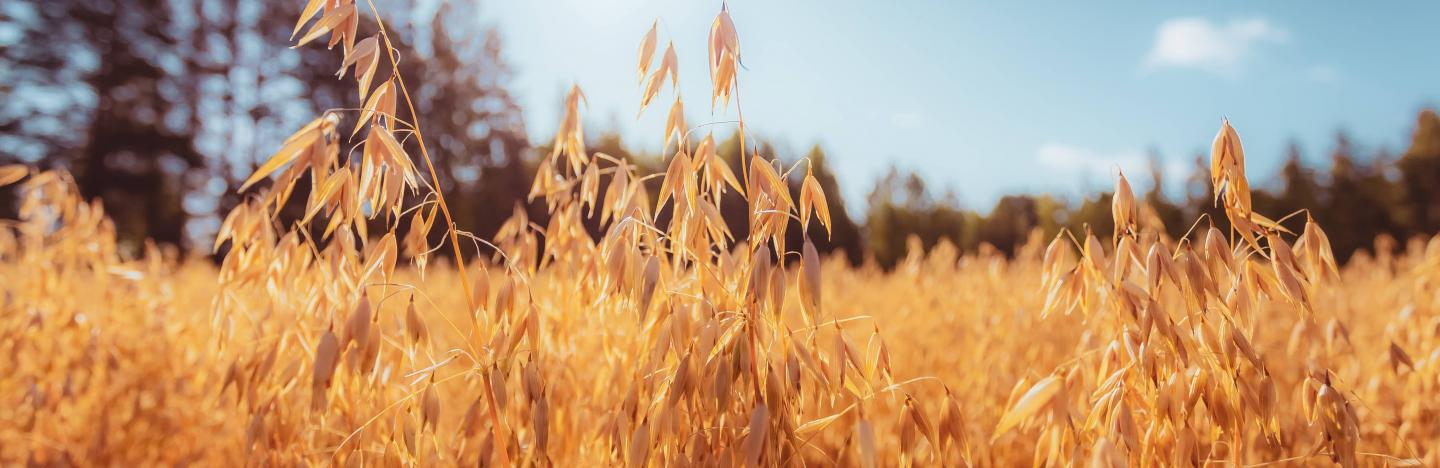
1365, 201
161, 109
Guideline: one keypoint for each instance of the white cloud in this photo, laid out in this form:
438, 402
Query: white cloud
1058, 157
1323, 74
1212, 47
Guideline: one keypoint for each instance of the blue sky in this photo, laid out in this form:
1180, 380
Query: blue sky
990, 98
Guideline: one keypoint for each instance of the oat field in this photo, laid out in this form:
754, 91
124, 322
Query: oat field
347, 336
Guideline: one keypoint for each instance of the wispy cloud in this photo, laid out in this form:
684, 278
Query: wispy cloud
1059, 157
1200, 44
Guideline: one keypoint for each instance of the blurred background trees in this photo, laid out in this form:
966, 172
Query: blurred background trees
1359, 198
1419, 171
162, 107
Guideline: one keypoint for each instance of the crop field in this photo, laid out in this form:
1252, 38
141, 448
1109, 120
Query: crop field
367, 330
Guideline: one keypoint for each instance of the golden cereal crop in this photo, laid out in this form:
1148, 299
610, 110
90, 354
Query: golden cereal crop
320, 340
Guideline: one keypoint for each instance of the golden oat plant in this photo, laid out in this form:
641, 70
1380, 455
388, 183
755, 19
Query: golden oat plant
671, 339
1213, 348
656, 343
